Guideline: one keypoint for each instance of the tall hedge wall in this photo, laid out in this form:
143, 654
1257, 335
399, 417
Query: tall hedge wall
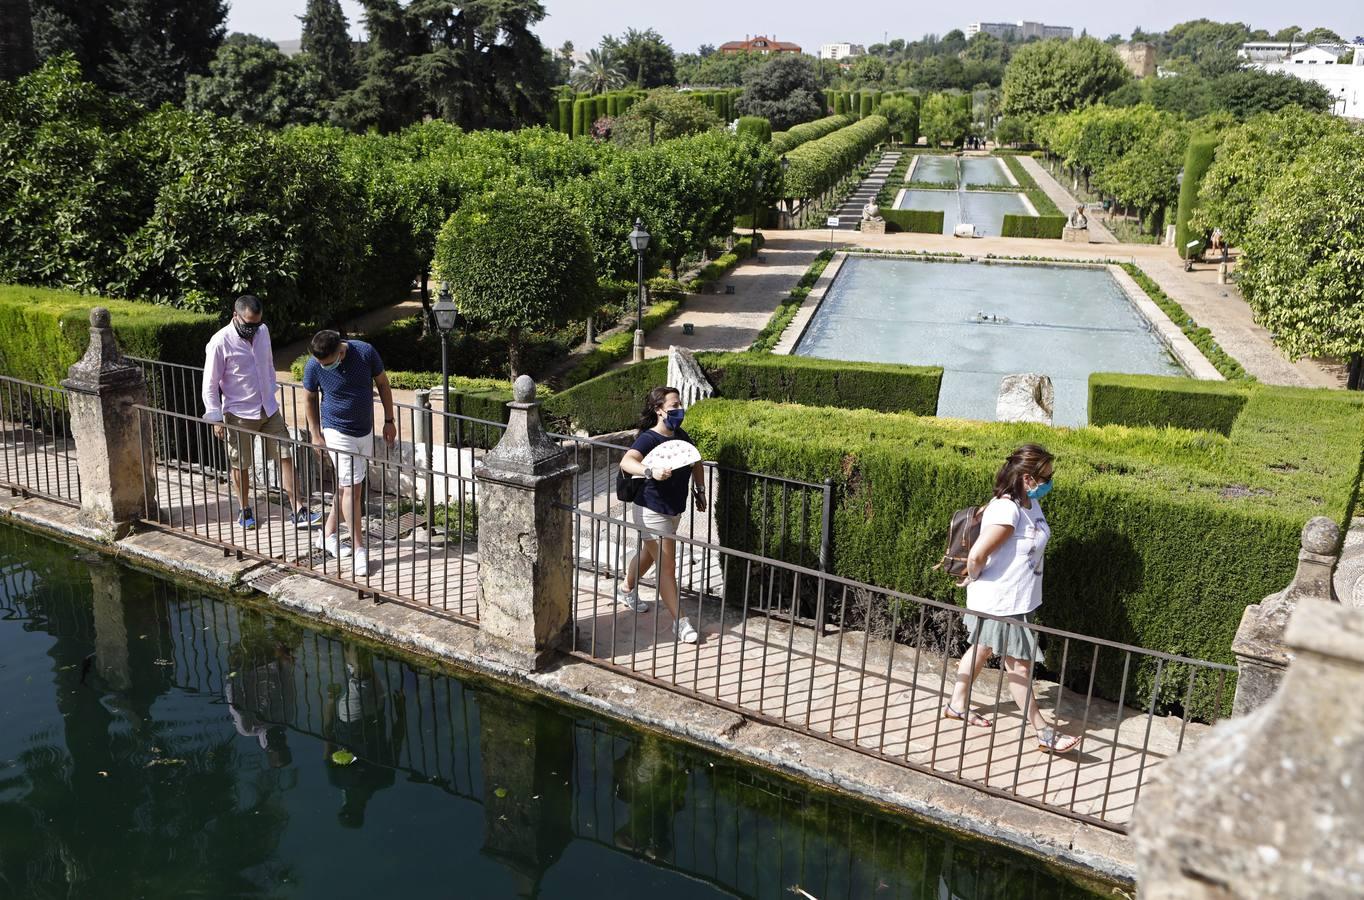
1197, 159
920, 221
786, 141
817, 164
1150, 400
1032, 226
1161, 537
610, 402
42, 331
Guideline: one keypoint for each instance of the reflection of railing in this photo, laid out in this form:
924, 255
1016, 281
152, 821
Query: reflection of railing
37, 454
878, 683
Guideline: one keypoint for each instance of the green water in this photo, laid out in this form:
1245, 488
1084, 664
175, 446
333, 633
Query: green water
159, 742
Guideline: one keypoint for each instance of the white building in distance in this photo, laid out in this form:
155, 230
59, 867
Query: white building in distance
1020, 31
1320, 63
841, 51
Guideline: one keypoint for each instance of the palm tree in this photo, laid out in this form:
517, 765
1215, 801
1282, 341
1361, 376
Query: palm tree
599, 73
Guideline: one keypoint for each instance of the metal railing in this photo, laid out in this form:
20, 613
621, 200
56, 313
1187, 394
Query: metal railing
37, 453
878, 681
430, 568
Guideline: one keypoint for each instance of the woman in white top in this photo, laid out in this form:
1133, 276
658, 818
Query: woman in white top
1004, 578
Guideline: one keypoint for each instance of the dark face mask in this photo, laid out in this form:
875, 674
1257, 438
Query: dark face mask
246, 330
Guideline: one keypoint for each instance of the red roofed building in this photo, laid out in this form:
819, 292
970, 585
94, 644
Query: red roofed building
759, 44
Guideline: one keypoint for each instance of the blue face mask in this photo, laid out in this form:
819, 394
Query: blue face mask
674, 418
331, 366
1040, 491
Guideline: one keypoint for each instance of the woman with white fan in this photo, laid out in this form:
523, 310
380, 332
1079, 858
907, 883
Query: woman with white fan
665, 458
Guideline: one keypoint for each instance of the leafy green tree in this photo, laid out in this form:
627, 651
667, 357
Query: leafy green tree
902, 115
869, 70
645, 58
1056, 76
327, 48
157, 44
387, 97
985, 47
1300, 272
943, 120
1011, 130
518, 260
1248, 92
599, 73
1210, 46
716, 69
663, 115
1249, 158
17, 56
251, 81
783, 91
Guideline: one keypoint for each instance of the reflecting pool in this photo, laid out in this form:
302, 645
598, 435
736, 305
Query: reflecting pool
960, 170
984, 209
982, 322
161, 743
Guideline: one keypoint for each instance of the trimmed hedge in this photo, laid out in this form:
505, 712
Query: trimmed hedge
44, 331
819, 163
610, 402
1032, 226
919, 221
1197, 159
618, 346
757, 126
1040, 201
723, 264
786, 141
1201, 337
1138, 517
1159, 402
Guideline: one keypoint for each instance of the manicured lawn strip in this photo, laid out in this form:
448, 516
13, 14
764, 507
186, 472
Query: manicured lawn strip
1202, 338
1039, 198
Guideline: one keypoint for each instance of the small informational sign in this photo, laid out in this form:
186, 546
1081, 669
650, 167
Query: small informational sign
832, 221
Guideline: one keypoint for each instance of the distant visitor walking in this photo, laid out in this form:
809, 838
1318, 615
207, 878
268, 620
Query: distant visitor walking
1004, 579
659, 503
239, 392
346, 373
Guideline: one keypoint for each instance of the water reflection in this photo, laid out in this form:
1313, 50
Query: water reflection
161, 743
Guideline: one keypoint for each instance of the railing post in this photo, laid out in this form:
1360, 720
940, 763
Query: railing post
114, 450
826, 548
1261, 656
525, 540
423, 439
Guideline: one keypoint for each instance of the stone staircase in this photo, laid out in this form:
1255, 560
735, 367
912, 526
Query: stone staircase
850, 213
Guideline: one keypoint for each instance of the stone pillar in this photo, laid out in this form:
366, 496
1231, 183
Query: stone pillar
685, 374
1261, 656
114, 451
1267, 805
524, 541
1221, 273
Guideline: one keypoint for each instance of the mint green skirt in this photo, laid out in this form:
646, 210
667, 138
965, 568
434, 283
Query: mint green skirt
1004, 637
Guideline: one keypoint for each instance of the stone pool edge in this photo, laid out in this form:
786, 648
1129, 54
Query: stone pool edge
1055, 840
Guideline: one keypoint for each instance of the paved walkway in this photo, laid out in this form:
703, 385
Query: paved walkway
1218, 308
730, 322
1098, 233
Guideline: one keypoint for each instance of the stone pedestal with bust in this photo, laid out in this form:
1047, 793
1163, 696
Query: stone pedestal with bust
872, 223
1076, 230
524, 540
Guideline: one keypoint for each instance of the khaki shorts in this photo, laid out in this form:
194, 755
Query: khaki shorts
241, 446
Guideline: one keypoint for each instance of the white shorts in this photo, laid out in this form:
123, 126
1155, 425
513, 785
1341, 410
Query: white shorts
350, 463
654, 521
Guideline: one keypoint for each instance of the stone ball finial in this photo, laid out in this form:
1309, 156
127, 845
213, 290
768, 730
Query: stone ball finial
523, 391
1320, 536
99, 317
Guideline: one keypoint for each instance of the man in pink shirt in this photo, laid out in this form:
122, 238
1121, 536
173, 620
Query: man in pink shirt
239, 391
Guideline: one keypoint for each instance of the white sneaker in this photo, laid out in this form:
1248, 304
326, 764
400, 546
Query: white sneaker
332, 545
361, 562
683, 631
630, 600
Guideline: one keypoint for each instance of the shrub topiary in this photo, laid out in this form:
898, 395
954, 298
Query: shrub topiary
919, 221
756, 127
1032, 226
1197, 159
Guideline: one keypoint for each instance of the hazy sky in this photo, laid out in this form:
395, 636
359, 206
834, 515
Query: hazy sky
686, 25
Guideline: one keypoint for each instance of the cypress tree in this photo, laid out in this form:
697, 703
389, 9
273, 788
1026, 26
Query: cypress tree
565, 116
327, 47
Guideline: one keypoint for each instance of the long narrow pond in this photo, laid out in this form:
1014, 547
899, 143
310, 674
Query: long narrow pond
158, 742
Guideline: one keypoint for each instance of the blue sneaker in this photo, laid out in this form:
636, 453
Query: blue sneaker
304, 518
246, 519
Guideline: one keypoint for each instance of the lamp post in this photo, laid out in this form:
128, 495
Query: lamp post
444, 313
785, 165
639, 242
757, 190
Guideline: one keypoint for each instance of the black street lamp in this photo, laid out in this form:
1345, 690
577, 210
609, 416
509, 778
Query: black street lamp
757, 190
444, 313
639, 242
